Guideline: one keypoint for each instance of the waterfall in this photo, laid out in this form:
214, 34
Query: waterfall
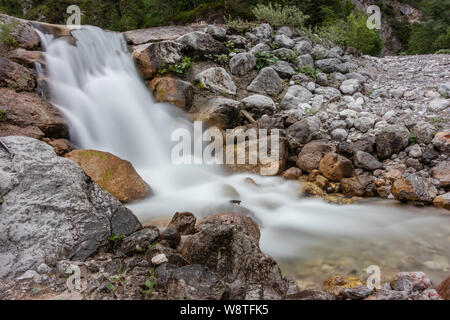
97, 87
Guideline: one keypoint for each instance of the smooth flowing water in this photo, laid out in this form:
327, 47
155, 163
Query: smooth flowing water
97, 87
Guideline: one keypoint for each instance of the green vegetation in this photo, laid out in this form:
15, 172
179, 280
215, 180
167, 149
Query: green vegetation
239, 25
309, 71
264, 59
279, 15
115, 238
149, 285
2, 115
412, 137
181, 69
5, 35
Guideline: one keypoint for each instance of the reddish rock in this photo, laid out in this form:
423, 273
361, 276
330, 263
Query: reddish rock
174, 91
442, 201
26, 57
444, 289
311, 154
411, 188
361, 185
15, 76
292, 173
61, 146
335, 167
442, 142
441, 172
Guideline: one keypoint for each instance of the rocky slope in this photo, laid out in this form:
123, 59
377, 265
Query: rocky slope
351, 126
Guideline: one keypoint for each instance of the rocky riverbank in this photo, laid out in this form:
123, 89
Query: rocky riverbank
351, 126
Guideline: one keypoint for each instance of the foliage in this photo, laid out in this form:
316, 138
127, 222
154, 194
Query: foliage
239, 25
264, 59
182, 68
222, 59
278, 15
5, 34
309, 71
2, 115
412, 137
290, 57
115, 238
149, 284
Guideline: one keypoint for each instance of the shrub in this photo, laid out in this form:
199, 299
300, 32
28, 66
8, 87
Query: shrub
5, 34
182, 68
264, 59
309, 71
2, 115
443, 41
238, 25
278, 15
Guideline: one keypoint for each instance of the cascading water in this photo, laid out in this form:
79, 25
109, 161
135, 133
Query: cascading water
96, 85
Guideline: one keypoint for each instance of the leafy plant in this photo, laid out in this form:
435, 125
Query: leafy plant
115, 237
2, 115
264, 59
309, 71
239, 25
279, 15
274, 45
230, 45
222, 59
110, 286
412, 137
5, 34
182, 68
149, 284
290, 57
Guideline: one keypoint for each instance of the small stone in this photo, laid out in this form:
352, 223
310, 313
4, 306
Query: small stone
159, 259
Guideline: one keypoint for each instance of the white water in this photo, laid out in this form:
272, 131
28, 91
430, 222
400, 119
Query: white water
97, 87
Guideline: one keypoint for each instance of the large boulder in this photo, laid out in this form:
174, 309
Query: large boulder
267, 82
51, 208
26, 57
366, 161
22, 32
335, 167
284, 41
311, 154
360, 185
220, 112
441, 172
296, 97
442, 142
15, 76
391, 139
442, 201
263, 32
151, 57
411, 188
174, 91
113, 174
217, 80
29, 115
283, 68
216, 32
242, 63
350, 86
444, 289
201, 42
302, 132
258, 105
331, 65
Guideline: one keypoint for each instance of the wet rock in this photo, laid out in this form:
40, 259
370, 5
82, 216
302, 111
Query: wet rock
296, 97
283, 68
442, 142
311, 154
335, 167
151, 57
183, 222
336, 285
221, 112
442, 201
302, 132
391, 139
411, 281
310, 189
411, 188
15, 76
113, 174
139, 241
258, 105
52, 194
441, 172
366, 161
267, 82
444, 289
174, 91
292, 173
201, 42
193, 282
242, 63
28, 114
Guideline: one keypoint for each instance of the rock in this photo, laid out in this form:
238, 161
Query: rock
302, 132
339, 134
391, 139
311, 154
415, 151
439, 104
305, 59
28, 114
329, 65
442, 201
267, 82
113, 174
411, 188
238, 41
159, 259
201, 42
424, 132
258, 105
216, 32
334, 167
357, 293
283, 68
27, 58
366, 161
283, 53
442, 142
295, 97
292, 173
444, 88
311, 295
61, 146
172, 236
263, 32
364, 124
221, 242
221, 112
242, 63
284, 41
156, 34
319, 52
303, 47
350, 86
310, 189
441, 172
216, 80
183, 222
428, 155
287, 32
15, 76
174, 91
193, 282
411, 281
444, 288
332, 94
260, 47
360, 185
151, 57
22, 32
336, 285
44, 197
139, 241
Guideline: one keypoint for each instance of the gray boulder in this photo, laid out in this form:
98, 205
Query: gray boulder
201, 42
305, 59
283, 68
391, 139
366, 161
217, 80
331, 65
216, 32
303, 47
242, 63
286, 31
258, 105
268, 81
295, 96
51, 208
263, 32
302, 132
260, 47
350, 86
284, 41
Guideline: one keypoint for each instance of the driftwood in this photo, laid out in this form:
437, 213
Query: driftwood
248, 116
